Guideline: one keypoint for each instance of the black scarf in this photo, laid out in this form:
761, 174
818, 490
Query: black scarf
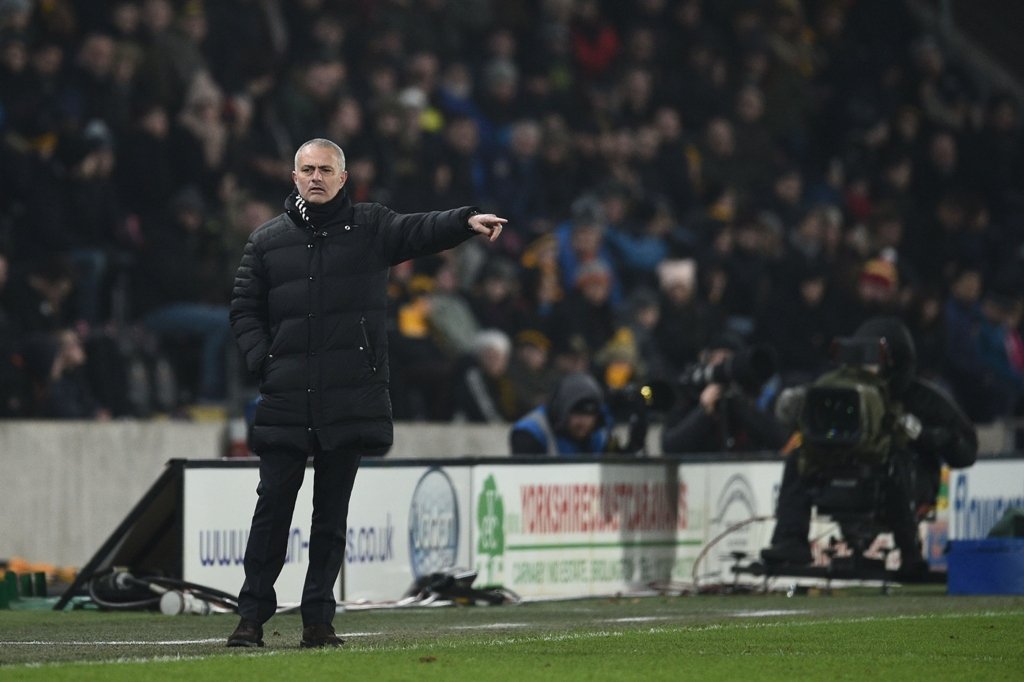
317, 216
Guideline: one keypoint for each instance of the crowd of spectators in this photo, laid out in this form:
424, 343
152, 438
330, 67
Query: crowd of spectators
672, 170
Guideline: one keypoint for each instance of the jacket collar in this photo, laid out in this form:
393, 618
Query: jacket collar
319, 216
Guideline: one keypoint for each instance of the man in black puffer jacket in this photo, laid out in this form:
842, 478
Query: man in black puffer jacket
309, 310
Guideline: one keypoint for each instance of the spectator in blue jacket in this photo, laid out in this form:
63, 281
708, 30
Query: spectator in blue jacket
575, 421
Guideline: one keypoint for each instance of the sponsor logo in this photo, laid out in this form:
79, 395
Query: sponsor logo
736, 503
644, 506
973, 517
373, 544
490, 518
490, 526
219, 547
433, 524
226, 547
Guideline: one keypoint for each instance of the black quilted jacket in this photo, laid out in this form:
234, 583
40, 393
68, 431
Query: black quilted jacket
309, 311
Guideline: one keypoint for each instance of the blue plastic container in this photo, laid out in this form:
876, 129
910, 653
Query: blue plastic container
988, 566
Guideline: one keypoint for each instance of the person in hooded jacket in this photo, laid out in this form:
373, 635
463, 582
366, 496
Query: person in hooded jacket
575, 421
946, 436
309, 312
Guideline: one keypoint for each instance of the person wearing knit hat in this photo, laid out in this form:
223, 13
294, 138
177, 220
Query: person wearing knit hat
533, 338
581, 241
876, 292
483, 391
677, 273
530, 371
586, 313
595, 273
879, 279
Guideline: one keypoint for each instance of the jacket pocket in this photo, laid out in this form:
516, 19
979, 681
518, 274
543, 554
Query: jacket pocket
367, 347
261, 373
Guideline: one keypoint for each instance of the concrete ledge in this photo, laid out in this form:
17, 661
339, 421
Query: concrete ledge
65, 486
428, 440
998, 437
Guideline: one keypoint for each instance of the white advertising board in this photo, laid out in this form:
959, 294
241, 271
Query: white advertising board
583, 529
218, 506
552, 530
404, 523
980, 495
740, 506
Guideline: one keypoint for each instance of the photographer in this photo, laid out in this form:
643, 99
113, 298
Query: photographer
721, 412
938, 432
576, 420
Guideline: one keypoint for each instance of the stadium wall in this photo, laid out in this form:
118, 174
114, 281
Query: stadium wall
64, 486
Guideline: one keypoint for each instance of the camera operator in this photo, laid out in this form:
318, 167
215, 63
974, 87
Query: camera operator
576, 420
939, 432
719, 411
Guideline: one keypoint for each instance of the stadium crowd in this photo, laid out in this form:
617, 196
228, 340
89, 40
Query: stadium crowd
673, 170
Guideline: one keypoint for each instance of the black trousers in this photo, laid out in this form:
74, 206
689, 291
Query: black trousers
281, 474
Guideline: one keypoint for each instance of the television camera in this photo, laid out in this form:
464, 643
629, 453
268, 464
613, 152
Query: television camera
748, 368
851, 450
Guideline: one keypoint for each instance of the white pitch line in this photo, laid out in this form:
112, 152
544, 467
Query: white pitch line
164, 642
489, 626
769, 612
136, 660
595, 635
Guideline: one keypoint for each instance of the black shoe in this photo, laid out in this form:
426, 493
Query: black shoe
249, 633
319, 636
789, 553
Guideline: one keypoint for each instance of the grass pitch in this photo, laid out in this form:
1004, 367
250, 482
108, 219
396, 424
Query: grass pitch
912, 634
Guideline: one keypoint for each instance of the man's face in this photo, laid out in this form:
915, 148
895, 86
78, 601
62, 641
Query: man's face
493, 362
318, 175
812, 290
716, 356
596, 290
533, 357
579, 426
586, 239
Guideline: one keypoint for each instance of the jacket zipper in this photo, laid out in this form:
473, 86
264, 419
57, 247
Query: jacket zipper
367, 347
